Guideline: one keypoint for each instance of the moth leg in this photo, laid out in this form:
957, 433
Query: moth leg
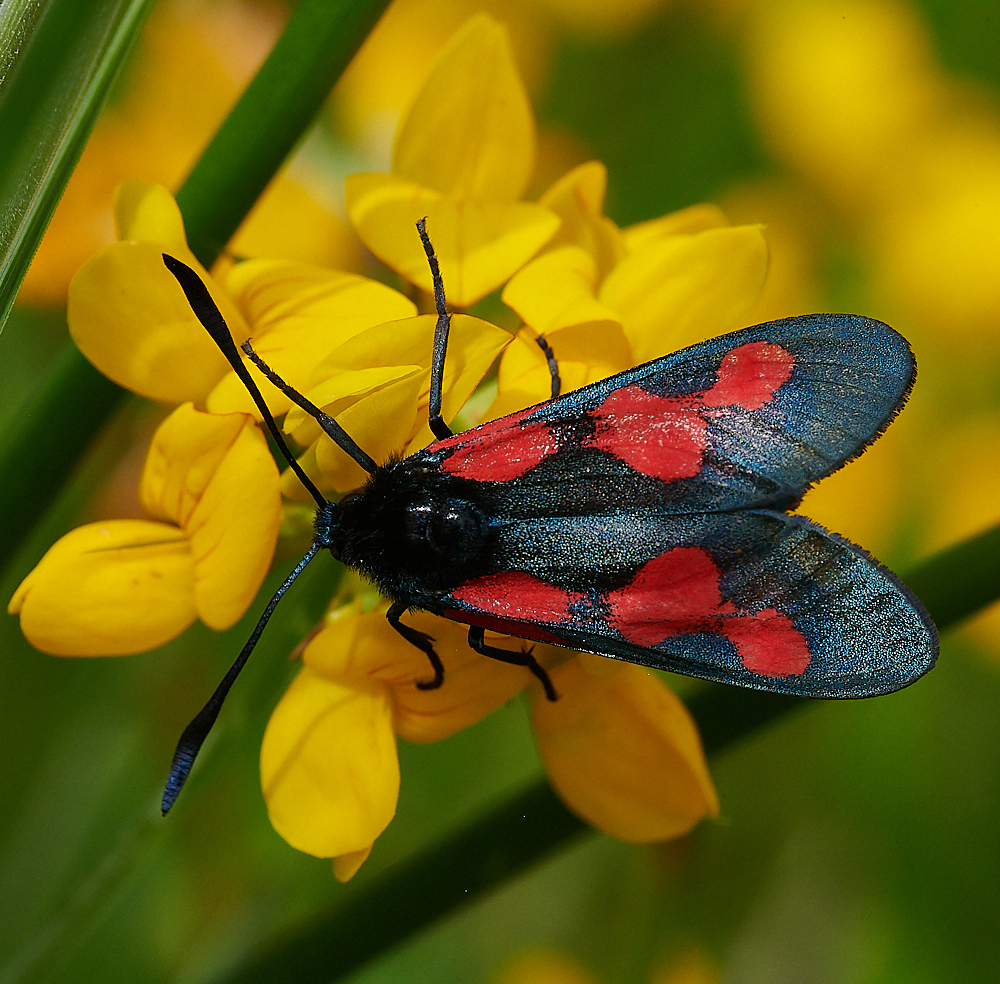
422, 641
550, 357
477, 640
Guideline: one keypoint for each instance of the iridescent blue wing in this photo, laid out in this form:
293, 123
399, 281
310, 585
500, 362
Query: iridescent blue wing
753, 598
746, 420
643, 517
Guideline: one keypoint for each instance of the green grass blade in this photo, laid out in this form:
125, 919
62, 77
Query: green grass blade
959, 581
58, 59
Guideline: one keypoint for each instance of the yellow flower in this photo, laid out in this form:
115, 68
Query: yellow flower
125, 586
132, 321
463, 157
618, 745
128, 317
386, 74
192, 62
607, 299
377, 385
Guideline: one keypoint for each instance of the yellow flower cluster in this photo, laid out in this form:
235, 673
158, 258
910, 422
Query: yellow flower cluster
618, 745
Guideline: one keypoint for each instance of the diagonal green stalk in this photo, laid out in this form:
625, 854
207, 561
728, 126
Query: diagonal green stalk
518, 834
280, 103
278, 106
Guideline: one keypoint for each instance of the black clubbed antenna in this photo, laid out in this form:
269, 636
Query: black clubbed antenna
333, 430
197, 731
209, 315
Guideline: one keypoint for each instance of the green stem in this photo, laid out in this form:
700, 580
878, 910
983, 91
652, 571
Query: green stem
520, 833
278, 106
960, 580
281, 101
464, 867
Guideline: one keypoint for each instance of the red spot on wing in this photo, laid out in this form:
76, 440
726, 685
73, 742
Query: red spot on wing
660, 436
750, 375
516, 596
666, 436
677, 587
678, 593
769, 644
499, 451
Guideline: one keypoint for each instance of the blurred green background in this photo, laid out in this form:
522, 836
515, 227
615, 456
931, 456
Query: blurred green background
857, 841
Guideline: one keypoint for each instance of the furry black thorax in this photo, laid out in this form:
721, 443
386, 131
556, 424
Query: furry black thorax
414, 530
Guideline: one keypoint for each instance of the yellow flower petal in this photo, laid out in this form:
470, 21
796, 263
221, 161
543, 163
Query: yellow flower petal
479, 243
473, 344
470, 132
288, 221
578, 199
621, 749
294, 297
599, 345
109, 589
581, 191
214, 476
531, 389
558, 289
145, 210
234, 529
474, 685
386, 419
341, 390
473, 347
368, 646
347, 865
183, 455
685, 222
130, 317
132, 321
679, 290
381, 424
535, 386
298, 314
328, 765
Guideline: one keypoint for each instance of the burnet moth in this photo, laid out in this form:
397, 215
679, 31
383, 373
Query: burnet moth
645, 517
